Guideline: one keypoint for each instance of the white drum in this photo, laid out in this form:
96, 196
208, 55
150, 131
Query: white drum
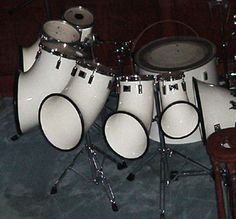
82, 19
217, 107
28, 55
54, 30
126, 131
179, 118
50, 73
194, 56
65, 117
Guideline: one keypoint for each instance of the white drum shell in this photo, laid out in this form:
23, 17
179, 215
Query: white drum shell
216, 107
180, 119
29, 54
140, 105
34, 85
88, 98
126, 131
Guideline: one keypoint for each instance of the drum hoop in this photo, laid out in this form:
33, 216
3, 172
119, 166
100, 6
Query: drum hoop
95, 67
78, 111
174, 103
139, 121
199, 104
136, 78
211, 54
47, 37
78, 26
57, 53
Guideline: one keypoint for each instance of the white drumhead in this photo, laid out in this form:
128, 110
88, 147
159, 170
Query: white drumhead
60, 31
126, 135
179, 120
61, 122
174, 54
79, 16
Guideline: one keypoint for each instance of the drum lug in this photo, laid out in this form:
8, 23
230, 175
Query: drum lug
91, 79
217, 127
140, 89
58, 63
183, 85
38, 54
164, 90
74, 70
205, 76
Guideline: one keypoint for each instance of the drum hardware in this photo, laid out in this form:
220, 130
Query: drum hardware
98, 176
165, 153
224, 11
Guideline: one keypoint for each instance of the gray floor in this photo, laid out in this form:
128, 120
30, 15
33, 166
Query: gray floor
30, 166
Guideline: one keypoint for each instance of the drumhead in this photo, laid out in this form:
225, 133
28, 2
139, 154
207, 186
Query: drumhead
175, 54
61, 49
79, 16
60, 31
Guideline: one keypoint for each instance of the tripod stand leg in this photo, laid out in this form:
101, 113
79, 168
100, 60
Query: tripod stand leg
54, 187
99, 177
120, 165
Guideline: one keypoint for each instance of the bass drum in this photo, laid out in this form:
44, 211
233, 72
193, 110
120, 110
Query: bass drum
194, 56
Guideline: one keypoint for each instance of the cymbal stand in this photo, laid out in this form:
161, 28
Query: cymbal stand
96, 167
166, 176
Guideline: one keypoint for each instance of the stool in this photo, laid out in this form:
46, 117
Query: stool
221, 147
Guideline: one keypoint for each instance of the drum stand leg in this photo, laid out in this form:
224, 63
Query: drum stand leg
165, 153
96, 171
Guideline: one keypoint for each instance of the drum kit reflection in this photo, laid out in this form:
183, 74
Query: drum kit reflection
63, 92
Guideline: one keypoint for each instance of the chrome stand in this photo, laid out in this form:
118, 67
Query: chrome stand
166, 176
96, 170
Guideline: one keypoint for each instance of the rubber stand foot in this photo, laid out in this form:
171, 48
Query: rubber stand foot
15, 137
121, 166
130, 177
114, 207
53, 190
162, 216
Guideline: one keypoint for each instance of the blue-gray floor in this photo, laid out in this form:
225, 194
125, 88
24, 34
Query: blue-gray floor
30, 166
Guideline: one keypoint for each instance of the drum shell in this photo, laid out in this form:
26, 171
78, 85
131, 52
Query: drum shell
90, 98
138, 104
29, 55
78, 106
42, 79
215, 104
126, 131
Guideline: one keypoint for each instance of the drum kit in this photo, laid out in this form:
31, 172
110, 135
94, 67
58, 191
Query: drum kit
62, 91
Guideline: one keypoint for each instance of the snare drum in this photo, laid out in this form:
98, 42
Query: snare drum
126, 131
82, 19
77, 107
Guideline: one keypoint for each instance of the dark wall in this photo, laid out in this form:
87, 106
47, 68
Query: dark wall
115, 20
